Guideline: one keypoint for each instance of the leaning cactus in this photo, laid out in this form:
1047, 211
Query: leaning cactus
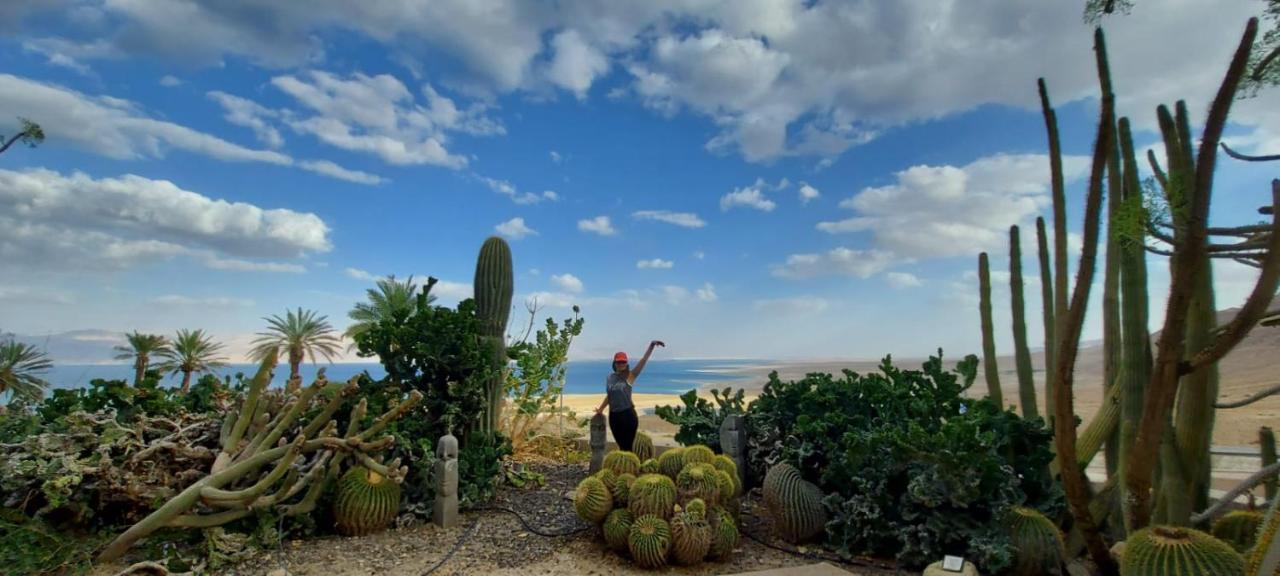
794, 504
643, 446
1169, 550
494, 286
617, 529
366, 502
257, 467
649, 541
653, 494
1037, 543
698, 481
671, 462
592, 501
622, 462
698, 454
1022, 353
991, 370
1238, 528
690, 537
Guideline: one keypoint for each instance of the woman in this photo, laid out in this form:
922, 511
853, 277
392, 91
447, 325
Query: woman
623, 420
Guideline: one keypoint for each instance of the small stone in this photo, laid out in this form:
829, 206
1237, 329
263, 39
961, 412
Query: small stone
935, 569
1078, 568
278, 572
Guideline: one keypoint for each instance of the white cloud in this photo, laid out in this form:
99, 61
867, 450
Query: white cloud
794, 305
682, 219
700, 255
654, 263
169, 81
808, 193
509, 190
327, 168
29, 295
707, 293
749, 196
839, 261
249, 114
599, 225
576, 64
241, 265
567, 282
515, 229
902, 280
379, 115
944, 211
202, 302
450, 291
556, 157
675, 295
359, 274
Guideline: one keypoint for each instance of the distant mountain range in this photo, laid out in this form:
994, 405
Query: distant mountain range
78, 346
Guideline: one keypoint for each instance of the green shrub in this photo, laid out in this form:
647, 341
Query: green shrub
910, 468
699, 420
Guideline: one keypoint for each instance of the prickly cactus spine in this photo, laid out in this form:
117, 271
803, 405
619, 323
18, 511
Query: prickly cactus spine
592, 501
652, 494
989, 366
1238, 528
690, 538
724, 533
366, 502
698, 454
1037, 543
727, 464
649, 541
649, 466
622, 462
698, 481
1164, 550
671, 462
794, 504
727, 487
1022, 354
617, 529
697, 507
622, 490
493, 287
1264, 559
643, 446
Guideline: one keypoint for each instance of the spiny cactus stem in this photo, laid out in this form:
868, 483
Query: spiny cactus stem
207, 520
371, 464
1266, 473
281, 467
285, 420
326, 415
228, 423
391, 415
248, 411
991, 370
1101, 427
357, 416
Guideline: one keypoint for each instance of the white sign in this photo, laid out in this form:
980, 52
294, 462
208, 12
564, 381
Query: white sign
952, 563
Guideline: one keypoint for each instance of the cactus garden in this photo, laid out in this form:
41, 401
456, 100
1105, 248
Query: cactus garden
213, 371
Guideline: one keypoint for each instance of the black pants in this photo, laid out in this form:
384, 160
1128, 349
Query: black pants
623, 425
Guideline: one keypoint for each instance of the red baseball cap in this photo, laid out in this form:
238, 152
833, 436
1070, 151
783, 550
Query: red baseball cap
620, 357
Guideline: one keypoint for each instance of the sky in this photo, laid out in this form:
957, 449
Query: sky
777, 179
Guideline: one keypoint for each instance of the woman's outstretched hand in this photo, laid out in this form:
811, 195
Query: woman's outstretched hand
656, 343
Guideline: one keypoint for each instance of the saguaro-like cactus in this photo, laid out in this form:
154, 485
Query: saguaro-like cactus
1046, 295
1267, 440
253, 438
989, 366
1022, 354
494, 286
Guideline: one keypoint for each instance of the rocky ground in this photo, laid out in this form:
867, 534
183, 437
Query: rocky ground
494, 542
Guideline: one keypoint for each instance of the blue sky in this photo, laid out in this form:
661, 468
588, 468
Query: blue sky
768, 179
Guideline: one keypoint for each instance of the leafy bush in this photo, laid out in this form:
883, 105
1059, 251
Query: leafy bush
207, 396
699, 420
911, 468
537, 382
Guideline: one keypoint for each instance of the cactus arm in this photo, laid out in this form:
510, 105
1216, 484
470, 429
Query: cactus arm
1103, 425
207, 520
331, 408
288, 418
1265, 474
228, 423
249, 410
989, 366
1267, 439
1022, 354
252, 492
392, 414
1113, 340
1069, 329
1265, 558
370, 463
175, 507
1046, 298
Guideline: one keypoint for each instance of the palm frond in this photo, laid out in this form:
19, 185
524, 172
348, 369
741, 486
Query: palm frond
20, 367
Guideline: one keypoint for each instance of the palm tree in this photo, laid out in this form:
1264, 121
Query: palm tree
192, 351
390, 298
140, 349
20, 363
299, 334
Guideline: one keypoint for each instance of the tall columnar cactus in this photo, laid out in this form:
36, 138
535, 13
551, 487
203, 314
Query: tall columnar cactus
650, 541
1239, 528
1267, 440
493, 288
794, 503
989, 366
1037, 543
1022, 353
1046, 295
366, 502
1264, 560
1168, 550
617, 529
258, 468
1112, 341
652, 494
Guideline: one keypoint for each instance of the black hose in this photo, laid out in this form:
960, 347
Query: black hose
456, 545
529, 527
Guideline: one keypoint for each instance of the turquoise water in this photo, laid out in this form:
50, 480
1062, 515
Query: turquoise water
583, 377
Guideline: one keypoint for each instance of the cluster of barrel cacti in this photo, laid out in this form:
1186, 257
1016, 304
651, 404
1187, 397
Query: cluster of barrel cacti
1161, 397
680, 508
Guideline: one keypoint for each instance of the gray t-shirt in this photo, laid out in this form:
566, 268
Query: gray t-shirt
619, 392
